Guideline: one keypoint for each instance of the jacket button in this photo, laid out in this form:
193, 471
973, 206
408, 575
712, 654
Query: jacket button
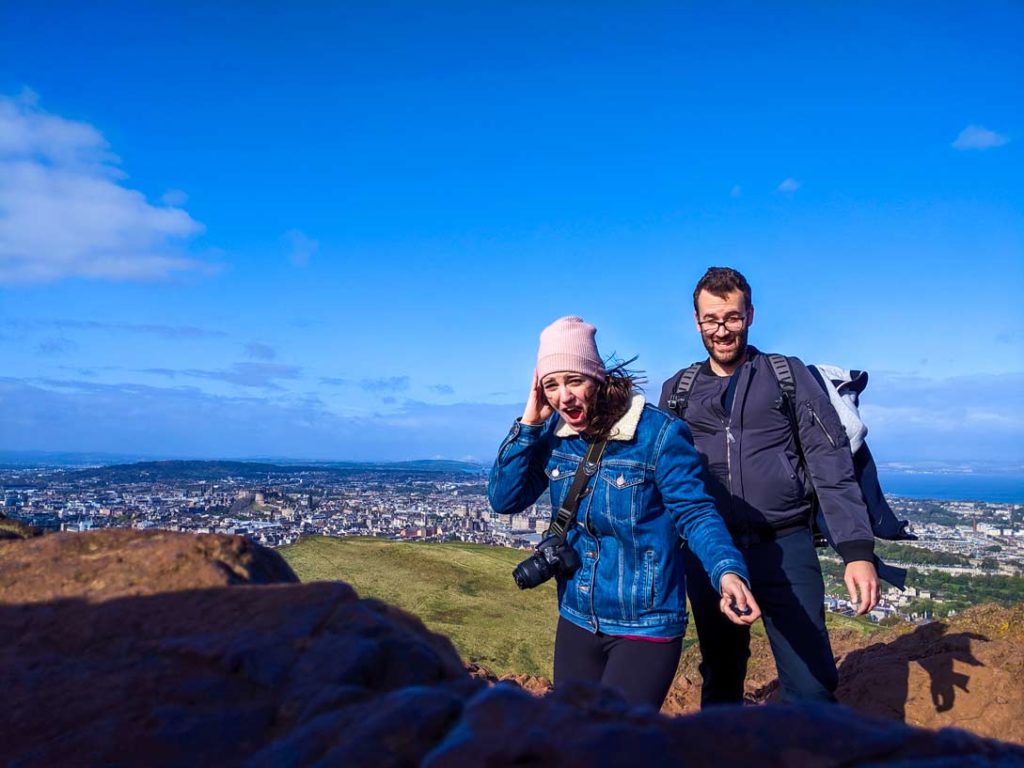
554, 472
621, 481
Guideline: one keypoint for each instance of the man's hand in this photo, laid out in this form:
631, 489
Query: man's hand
862, 583
737, 603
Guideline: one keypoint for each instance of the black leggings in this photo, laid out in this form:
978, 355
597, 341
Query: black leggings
641, 670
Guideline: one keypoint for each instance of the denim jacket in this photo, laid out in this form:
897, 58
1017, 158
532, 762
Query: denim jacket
646, 494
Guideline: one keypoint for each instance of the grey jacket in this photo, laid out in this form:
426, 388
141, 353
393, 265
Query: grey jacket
751, 459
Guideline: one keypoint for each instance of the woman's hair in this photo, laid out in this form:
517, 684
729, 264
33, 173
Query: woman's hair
613, 397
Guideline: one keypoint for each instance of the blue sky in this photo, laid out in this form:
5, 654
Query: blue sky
334, 232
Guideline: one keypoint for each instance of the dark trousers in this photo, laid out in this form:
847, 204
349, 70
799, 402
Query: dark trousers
641, 670
787, 584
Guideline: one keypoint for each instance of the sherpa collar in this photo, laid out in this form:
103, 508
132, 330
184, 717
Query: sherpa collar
624, 428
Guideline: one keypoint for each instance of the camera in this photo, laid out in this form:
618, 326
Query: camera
554, 557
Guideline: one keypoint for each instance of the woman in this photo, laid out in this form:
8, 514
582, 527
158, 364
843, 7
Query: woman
622, 607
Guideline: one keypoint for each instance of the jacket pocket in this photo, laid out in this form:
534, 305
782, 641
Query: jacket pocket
560, 472
793, 472
650, 579
833, 429
622, 478
620, 489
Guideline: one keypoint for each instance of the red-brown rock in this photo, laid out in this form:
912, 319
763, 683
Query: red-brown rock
125, 674
114, 562
965, 673
538, 685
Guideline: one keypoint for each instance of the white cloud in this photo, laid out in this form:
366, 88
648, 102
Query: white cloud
789, 184
260, 351
65, 210
184, 421
260, 375
163, 331
912, 419
966, 418
978, 137
55, 346
300, 247
386, 384
174, 197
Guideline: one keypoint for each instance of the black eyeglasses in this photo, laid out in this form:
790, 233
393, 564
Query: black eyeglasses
732, 324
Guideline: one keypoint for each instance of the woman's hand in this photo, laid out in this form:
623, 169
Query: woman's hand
737, 603
537, 408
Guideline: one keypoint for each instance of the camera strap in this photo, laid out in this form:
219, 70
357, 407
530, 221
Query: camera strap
586, 470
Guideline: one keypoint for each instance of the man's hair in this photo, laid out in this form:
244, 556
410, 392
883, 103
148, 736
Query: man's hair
719, 281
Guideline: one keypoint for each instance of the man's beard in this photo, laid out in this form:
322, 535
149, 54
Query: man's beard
731, 357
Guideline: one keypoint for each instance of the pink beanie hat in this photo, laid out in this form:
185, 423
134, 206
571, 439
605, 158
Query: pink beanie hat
568, 345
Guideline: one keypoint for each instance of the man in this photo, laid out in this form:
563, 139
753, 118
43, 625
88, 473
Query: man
763, 478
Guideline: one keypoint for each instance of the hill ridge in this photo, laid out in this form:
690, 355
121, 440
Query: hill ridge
219, 469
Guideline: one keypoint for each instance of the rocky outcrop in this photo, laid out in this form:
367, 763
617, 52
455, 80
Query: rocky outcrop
99, 565
762, 680
309, 674
964, 672
535, 684
584, 727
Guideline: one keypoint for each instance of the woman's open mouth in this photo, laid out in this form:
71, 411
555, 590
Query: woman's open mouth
573, 414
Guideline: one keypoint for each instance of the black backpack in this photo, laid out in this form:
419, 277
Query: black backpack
884, 523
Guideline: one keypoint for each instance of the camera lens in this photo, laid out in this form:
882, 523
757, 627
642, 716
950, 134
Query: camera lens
533, 571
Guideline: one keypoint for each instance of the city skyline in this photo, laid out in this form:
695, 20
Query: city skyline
336, 234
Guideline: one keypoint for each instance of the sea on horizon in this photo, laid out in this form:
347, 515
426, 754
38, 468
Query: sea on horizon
993, 488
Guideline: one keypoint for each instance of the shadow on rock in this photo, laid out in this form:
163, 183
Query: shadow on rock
929, 646
219, 676
965, 672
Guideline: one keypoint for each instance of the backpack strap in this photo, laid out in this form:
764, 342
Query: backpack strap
787, 399
680, 396
787, 385
783, 371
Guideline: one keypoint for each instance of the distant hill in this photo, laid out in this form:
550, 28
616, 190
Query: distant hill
464, 591
172, 470
24, 459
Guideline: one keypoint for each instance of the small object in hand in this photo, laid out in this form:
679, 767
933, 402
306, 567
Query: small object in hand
736, 609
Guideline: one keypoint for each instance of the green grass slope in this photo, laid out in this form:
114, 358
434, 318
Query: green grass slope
464, 591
